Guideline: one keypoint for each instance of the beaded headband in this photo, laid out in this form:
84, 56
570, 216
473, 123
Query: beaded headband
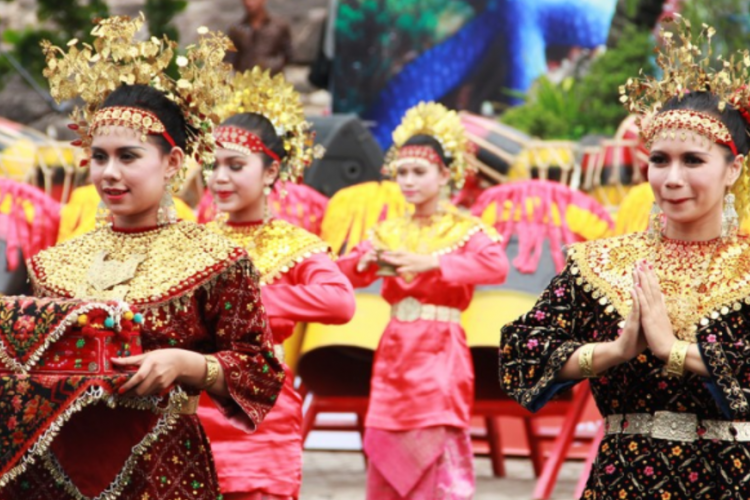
256, 91
138, 119
242, 141
444, 125
423, 155
667, 123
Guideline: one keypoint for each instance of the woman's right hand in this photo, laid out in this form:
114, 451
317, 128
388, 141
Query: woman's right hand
368, 259
632, 340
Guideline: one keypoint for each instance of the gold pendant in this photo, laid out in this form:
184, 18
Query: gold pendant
107, 274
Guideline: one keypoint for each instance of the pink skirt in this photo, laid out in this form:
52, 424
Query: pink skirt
267, 462
436, 463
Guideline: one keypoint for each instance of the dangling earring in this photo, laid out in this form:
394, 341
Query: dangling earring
103, 215
266, 206
167, 213
655, 223
730, 221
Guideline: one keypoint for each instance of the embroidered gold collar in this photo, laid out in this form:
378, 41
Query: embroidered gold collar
149, 267
274, 247
699, 280
440, 234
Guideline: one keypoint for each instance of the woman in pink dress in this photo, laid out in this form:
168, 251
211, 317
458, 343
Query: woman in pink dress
265, 141
417, 426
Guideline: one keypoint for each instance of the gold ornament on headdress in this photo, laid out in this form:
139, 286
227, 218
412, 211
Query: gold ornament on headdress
117, 58
685, 69
444, 125
256, 91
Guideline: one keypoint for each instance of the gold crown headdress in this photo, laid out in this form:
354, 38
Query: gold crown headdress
437, 121
256, 91
687, 69
116, 58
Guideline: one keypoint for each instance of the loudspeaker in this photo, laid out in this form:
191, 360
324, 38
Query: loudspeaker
352, 154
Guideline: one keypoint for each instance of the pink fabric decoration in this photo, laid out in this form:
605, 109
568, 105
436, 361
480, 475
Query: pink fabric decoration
536, 223
31, 237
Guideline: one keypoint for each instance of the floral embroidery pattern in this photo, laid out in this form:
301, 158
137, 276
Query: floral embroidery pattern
572, 312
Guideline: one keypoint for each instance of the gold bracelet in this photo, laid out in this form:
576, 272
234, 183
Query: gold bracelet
212, 371
586, 360
677, 356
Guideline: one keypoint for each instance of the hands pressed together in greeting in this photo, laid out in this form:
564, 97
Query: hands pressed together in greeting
648, 323
647, 326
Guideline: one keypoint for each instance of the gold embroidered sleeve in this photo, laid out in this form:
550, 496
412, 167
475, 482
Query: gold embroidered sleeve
726, 353
253, 374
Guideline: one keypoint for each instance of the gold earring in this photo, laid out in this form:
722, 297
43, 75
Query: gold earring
266, 206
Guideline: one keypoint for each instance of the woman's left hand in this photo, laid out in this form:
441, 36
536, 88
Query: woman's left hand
411, 263
654, 318
160, 369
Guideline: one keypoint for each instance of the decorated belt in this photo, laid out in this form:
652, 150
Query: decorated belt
188, 406
278, 351
410, 309
673, 426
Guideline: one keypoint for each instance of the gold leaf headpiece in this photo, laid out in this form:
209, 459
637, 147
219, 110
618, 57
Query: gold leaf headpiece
256, 91
686, 68
444, 125
117, 58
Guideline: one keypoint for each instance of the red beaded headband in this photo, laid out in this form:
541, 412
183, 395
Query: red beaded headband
408, 154
139, 119
240, 140
665, 124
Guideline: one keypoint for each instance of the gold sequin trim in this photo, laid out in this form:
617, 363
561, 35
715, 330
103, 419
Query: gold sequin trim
274, 247
440, 234
171, 262
720, 270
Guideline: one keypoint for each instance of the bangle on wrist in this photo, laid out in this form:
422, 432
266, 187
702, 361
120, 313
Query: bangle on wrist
586, 360
212, 372
677, 357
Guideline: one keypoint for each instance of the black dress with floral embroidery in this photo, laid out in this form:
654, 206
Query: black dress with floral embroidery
588, 302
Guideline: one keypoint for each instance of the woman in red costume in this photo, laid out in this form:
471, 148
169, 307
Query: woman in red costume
204, 325
417, 426
267, 140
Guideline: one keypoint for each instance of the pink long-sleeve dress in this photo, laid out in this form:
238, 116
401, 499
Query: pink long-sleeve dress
299, 282
423, 380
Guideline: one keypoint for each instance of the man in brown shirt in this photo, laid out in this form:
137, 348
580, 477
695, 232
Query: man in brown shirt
261, 40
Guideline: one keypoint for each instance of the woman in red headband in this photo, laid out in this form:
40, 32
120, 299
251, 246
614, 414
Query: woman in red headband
204, 328
268, 141
417, 426
658, 320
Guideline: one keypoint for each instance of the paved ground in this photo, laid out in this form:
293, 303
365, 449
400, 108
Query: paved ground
341, 476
